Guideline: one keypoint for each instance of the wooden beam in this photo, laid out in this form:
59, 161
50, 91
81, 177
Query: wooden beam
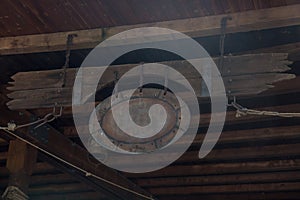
221, 155
194, 27
269, 177
20, 161
59, 145
56, 188
205, 118
290, 195
263, 187
223, 168
74, 195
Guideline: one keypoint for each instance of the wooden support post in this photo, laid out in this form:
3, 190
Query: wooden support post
20, 161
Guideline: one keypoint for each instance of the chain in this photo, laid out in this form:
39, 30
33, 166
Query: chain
166, 81
243, 111
141, 78
222, 41
67, 59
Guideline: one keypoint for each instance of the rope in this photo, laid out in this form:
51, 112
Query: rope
87, 173
243, 111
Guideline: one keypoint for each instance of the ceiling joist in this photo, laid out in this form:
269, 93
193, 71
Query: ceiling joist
193, 27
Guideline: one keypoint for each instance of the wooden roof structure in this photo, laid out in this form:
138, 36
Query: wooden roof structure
256, 157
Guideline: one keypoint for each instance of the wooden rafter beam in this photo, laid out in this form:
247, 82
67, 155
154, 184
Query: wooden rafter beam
194, 27
61, 146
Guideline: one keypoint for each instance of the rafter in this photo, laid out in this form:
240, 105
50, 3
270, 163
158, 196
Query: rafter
194, 27
58, 144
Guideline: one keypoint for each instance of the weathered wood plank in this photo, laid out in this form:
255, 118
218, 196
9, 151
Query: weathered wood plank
20, 161
237, 65
194, 27
262, 187
206, 117
74, 195
221, 155
236, 85
43, 88
54, 188
289, 176
290, 195
72, 153
223, 168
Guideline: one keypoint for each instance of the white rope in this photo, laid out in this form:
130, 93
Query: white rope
243, 111
9, 130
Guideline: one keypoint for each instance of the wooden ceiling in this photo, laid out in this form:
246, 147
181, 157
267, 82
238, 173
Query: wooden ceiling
23, 17
255, 158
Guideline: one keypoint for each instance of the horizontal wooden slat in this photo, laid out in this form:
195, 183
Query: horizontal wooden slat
223, 168
54, 188
194, 27
265, 187
251, 64
205, 118
238, 86
287, 195
220, 155
184, 181
70, 196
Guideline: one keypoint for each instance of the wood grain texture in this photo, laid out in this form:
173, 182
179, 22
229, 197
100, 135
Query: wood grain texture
194, 27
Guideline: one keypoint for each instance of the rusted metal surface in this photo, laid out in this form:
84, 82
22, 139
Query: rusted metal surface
140, 104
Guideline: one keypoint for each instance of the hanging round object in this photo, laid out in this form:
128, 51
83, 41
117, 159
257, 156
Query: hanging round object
139, 105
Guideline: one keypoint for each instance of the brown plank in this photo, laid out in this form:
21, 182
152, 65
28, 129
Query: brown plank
221, 155
184, 181
237, 86
194, 27
72, 153
20, 161
251, 64
74, 195
54, 188
263, 187
231, 118
288, 195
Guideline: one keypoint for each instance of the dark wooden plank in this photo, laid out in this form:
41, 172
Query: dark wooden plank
270, 177
20, 161
251, 64
54, 188
74, 195
72, 153
287, 195
263, 187
237, 86
194, 27
224, 155
205, 118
